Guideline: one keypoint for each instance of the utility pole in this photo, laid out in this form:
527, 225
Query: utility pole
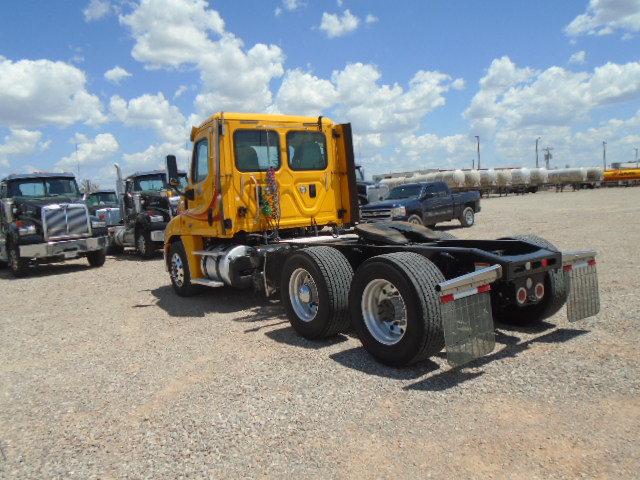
478, 139
473, 162
537, 140
604, 154
547, 156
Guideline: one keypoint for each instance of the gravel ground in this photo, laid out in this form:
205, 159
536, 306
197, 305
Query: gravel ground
106, 373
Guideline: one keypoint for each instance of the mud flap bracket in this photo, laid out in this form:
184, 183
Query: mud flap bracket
467, 320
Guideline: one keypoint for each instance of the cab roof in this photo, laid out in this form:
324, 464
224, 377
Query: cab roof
265, 117
21, 176
151, 172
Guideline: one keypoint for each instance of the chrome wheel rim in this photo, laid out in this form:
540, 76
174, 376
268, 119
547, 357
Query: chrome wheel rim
142, 244
415, 221
384, 311
13, 259
469, 217
303, 293
177, 270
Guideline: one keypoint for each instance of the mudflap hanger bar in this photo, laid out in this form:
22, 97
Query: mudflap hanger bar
584, 296
467, 320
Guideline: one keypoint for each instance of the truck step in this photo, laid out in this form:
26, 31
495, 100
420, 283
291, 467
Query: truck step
206, 253
207, 282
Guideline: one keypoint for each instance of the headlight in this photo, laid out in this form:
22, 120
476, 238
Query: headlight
26, 230
98, 224
398, 212
156, 218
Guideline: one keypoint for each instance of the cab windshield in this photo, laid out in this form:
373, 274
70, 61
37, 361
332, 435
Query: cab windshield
405, 191
44, 187
156, 182
102, 197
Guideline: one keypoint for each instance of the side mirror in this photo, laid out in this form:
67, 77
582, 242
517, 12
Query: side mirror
172, 171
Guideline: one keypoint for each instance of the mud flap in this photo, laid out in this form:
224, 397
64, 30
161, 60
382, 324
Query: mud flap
467, 320
584, 296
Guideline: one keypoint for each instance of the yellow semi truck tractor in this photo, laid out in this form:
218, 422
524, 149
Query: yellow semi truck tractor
271, 204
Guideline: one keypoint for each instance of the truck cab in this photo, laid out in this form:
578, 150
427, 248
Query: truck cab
43, 219
272, 204
146, 205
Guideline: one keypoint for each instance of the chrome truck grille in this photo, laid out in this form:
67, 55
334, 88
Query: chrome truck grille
65, 221
109, 215
374, 215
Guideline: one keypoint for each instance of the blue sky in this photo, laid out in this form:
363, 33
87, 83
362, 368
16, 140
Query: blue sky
418, 79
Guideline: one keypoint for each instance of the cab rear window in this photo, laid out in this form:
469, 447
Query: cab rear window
307, 150
256, 150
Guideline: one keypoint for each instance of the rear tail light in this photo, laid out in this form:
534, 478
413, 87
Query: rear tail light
544, 262
539, 291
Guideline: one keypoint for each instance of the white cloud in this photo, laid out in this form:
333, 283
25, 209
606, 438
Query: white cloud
370, 19
96, 10
21, 142
578, 58
154, 157
304, 94
116, 74
604, 17
431, 151
182, 89
176, 33
512, 97
42, 92
170, 33
90, 152
289, 6
334, 25
152, 111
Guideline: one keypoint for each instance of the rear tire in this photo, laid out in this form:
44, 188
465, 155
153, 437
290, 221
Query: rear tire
467, 217
315, 291
96, 258
393, 291
179, 271
556, 286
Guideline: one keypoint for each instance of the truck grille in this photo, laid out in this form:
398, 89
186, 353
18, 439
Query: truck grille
375, 215
109, 215
65, 221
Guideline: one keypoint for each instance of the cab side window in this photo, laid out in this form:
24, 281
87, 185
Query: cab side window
307, 150
200, 162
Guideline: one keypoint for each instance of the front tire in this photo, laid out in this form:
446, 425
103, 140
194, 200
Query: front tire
467, 217
144, 246
179, 271
556, 286
17, 264
314, 289
96, 258
415, 219
395, 308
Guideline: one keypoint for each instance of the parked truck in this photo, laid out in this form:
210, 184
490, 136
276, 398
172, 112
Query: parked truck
43, 219
103, 204
369, 191
271, 204
425, 203
146, 206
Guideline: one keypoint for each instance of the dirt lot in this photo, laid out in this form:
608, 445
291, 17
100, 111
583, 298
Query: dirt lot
107, 374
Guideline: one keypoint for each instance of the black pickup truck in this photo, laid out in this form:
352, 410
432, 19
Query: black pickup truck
424, 204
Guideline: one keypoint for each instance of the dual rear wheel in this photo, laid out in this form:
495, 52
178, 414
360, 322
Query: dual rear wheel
390, 301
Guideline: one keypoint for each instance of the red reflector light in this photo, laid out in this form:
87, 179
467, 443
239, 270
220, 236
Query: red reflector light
20, 223
521, 295
592, 262
484, 288
447, 298
567, 268
544, 262
539, 291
